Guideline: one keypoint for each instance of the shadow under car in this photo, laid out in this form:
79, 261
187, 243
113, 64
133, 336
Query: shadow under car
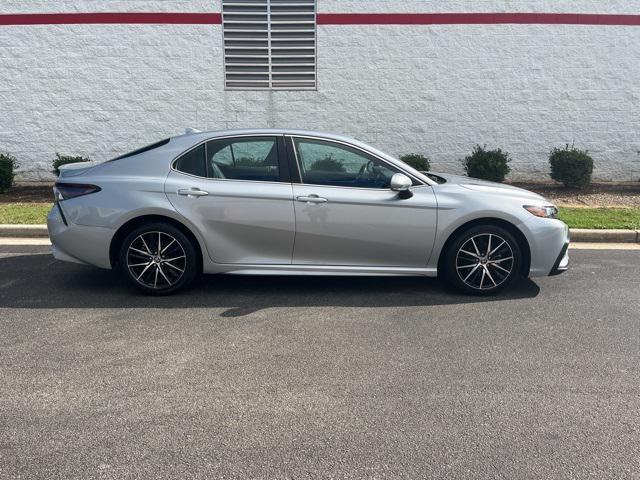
39, 281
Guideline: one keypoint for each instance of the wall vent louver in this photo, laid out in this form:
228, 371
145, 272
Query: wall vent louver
269, 44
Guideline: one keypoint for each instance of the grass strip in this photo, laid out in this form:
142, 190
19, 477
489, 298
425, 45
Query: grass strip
575, 217
601, 217
24, 213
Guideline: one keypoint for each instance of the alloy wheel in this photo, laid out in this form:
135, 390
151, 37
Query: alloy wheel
484, 261
156, 260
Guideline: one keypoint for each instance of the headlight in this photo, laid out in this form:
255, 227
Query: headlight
548, 211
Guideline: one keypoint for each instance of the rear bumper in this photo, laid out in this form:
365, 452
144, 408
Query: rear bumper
78, 243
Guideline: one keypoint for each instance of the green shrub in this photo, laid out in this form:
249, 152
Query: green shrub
7, 165
571, 166
65, 159
492, 165
328, 164
417, 161
248, 162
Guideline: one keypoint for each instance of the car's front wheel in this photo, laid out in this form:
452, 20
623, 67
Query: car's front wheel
158, 258
483, 260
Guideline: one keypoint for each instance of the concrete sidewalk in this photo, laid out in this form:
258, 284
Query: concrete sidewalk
577, 234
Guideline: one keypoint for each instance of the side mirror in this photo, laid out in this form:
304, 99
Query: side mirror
401, 183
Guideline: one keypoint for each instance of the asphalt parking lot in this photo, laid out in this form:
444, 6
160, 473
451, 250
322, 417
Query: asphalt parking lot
285, 377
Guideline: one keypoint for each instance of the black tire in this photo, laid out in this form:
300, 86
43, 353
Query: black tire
467, 271
165, 272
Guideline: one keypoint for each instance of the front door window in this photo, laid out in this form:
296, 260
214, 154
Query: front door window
328, 163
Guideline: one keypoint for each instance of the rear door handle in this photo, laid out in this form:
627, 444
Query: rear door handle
192, 192
311, 199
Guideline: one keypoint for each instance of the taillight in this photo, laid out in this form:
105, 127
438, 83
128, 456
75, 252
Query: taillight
65, 191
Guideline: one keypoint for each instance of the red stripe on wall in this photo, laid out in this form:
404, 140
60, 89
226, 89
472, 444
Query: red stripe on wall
328, 18
118, 18
475, 19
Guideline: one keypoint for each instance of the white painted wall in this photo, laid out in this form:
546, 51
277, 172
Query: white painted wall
466, 6
90, 6
100, 90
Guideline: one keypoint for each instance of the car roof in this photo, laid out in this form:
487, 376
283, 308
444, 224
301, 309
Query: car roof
197, 135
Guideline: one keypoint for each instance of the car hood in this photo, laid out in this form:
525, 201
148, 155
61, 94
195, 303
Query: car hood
490, 187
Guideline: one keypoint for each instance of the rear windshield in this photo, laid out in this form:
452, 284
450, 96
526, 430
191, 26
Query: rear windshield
143, 149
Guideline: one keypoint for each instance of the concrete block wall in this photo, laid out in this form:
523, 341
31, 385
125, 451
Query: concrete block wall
101, 90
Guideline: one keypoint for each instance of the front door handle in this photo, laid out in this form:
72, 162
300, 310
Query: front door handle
192, 192
311, 199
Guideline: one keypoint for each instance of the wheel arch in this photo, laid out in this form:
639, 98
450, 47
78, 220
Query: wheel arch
128, 226
498, 222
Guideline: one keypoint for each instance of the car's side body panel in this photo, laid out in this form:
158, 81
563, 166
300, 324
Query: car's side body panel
366, 227
359, 225
78, 243
130, 189
458, 206
241, 221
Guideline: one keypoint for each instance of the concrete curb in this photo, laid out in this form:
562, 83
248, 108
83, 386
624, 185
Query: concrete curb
577, 234
604, 236
23, 231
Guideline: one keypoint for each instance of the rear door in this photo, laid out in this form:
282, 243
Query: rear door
346, 213
237, 192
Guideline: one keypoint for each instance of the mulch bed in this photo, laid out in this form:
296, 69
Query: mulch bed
29, 193
597, 195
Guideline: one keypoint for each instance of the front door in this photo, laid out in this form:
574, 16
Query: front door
347, 215
238, 195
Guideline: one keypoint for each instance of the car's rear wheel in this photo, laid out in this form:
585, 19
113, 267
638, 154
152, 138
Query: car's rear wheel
483, 260
158, 259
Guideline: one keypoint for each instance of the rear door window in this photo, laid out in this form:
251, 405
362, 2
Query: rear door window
250, 158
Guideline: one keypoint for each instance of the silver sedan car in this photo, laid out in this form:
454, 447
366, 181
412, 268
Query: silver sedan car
291, 202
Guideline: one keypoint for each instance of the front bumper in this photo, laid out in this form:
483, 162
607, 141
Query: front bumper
78, 243
548, 242
562, 263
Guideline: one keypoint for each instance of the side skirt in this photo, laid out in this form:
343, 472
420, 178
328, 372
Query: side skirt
242, 269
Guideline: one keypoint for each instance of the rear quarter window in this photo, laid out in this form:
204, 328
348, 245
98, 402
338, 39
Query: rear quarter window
192, 162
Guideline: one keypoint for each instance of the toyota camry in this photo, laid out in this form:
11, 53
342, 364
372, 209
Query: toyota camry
291, 202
